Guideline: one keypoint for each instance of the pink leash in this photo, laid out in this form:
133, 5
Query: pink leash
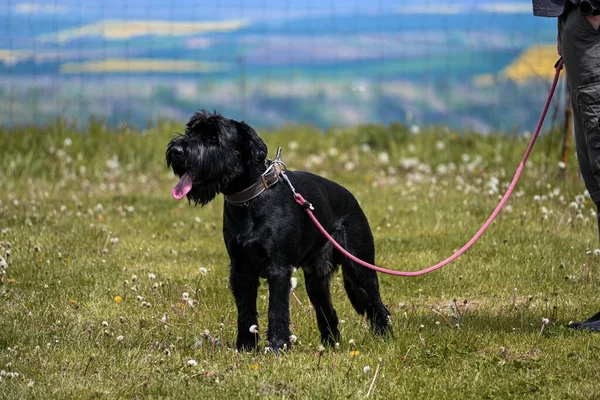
307, 206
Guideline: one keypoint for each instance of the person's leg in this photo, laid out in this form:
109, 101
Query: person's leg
580, 45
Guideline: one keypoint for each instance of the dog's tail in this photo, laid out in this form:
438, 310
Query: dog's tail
362, 284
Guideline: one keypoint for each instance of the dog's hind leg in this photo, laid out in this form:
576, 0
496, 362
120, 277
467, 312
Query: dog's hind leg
244, 285
362, 284
317, 277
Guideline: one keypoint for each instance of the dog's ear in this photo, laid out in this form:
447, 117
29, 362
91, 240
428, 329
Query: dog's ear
256, 147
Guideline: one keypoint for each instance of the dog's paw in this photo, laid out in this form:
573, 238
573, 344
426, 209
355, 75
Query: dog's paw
247, 343
381, 324
329, 339
279, 344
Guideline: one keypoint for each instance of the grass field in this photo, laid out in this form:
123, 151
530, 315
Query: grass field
112, 289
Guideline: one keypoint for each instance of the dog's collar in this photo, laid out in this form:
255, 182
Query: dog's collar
269, 178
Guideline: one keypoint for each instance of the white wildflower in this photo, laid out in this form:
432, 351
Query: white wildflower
366, 369
545, 321
383, 157
120, 338
185, 296
293, 338
203, 271
151, 276
104, 323
254, 329
113, 163
294, 282
192, 363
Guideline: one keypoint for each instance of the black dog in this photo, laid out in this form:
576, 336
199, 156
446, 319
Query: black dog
267, 234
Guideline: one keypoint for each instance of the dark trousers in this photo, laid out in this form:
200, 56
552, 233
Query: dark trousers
581, 53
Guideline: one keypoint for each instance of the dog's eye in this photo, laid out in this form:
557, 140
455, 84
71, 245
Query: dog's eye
211, 140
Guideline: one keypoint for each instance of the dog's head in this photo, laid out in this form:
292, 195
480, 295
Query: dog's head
212, 153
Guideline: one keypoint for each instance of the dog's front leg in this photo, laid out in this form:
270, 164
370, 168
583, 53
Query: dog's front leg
279, 307
244, 285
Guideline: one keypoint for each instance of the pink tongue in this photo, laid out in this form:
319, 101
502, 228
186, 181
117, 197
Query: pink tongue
183, 187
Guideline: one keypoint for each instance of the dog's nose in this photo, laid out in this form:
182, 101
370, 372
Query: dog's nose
177, 150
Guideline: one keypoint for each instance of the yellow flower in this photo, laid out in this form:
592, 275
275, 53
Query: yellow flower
40, 260
118, 299
254, 366
73, 301
354, 353
12, 280
100, 218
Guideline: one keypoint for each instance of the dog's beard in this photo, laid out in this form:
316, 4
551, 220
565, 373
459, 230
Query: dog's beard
204, 192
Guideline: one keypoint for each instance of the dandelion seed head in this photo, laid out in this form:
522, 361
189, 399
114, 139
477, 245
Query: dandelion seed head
192, 363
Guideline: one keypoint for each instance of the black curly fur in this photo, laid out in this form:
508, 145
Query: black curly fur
271, 235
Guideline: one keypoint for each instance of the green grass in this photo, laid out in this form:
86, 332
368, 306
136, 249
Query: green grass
79, 225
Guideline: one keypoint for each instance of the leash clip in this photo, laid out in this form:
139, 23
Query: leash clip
306, 205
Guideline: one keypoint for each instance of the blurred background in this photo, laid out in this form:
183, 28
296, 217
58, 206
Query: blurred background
467, 64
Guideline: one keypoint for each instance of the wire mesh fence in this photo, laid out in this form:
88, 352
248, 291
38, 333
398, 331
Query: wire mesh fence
481, 65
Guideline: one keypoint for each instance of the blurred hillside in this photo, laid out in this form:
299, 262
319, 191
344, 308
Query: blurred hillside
466, 65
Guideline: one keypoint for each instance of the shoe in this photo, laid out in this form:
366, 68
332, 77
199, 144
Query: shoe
592, 323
